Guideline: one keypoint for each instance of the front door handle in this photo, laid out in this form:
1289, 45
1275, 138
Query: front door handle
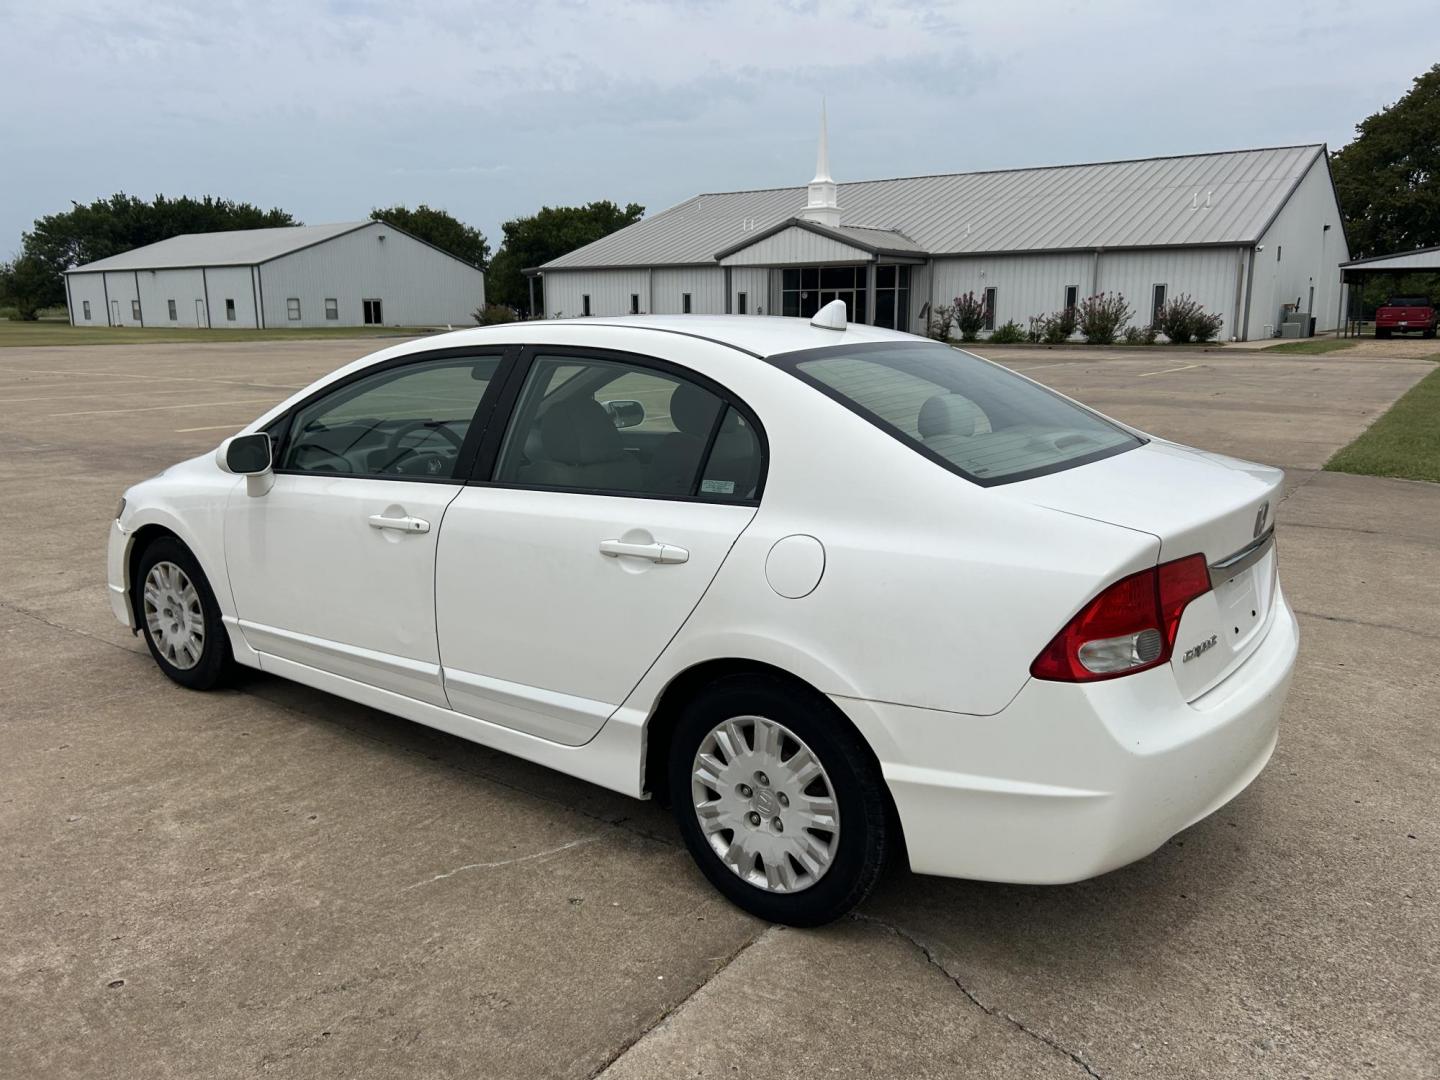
400, 524
659, 553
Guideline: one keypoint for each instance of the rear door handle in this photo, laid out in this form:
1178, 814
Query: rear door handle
400, 524
659, 553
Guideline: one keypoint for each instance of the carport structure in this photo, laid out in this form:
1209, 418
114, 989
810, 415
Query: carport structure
1358, 271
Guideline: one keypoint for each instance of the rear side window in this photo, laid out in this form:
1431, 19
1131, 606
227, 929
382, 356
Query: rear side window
609, 427
974, 417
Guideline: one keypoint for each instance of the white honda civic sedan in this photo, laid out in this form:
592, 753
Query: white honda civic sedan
831, 591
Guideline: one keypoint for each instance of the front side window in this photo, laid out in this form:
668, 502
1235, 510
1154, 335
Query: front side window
406, 422
977, 419
610, 427
292, 309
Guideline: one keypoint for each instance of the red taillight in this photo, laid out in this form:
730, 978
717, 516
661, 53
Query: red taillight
1129, 627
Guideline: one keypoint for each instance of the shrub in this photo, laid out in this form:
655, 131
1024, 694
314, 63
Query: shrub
1035, 333
1055, 328
942, 317
1008, 333
1184, 319
1101, 316
1139, 335
969, 316
493, 315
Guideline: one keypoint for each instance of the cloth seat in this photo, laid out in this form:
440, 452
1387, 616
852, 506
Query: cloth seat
580, 448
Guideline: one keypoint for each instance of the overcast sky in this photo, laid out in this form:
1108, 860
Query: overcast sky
490, 111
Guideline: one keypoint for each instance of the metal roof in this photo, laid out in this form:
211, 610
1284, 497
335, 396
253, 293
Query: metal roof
1221, 198
1419, 259
239, 247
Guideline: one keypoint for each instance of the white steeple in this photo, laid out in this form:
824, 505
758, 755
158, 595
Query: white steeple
821, 206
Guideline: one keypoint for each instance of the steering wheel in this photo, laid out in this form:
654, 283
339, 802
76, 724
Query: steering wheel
395, 453
316, 448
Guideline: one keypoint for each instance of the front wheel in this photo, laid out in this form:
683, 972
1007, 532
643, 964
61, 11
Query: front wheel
779, 800
178, 614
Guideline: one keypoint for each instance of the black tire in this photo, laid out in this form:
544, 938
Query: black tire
215, 662
1428, 333
1382, 333
863, 840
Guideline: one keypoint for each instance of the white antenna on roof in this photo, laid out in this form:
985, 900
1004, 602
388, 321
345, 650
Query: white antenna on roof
832, 316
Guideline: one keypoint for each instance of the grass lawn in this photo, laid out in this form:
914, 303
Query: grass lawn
1313, 347
47, 332
1405, 442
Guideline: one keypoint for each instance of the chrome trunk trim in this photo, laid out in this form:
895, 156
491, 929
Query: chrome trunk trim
1242, 560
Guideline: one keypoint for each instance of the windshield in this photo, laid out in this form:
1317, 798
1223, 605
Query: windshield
974, 417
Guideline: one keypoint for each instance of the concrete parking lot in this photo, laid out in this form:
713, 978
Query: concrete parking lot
268, 880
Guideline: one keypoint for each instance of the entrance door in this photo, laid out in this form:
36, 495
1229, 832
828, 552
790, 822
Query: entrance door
114, 312
373, 316
334, 567
200, 319
561, 581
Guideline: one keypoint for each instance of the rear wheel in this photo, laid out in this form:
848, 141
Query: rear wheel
779, 801
179, 617
1429, 333
1381, 333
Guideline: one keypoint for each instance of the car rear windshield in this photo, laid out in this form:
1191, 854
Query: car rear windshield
974, 417
1408, 301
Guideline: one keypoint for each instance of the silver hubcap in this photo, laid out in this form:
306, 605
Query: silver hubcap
173, 615
765, 804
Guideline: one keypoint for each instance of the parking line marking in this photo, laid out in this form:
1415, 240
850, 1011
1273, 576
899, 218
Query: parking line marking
158, 408
1166, 371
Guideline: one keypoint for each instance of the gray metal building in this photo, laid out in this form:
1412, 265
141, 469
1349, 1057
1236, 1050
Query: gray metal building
351, 274
1244, 232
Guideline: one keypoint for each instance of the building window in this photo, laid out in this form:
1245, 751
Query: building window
1072, 297
634, 303
292, 309
332, 309
806, 290
585, 304
742, 304
1157, 304
892, 296
1279, 250
684, 304
372, 313
86, 305
229, 310
170, 304
990, 298
135, 310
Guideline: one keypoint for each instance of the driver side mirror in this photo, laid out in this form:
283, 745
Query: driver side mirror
248, 456
625, 413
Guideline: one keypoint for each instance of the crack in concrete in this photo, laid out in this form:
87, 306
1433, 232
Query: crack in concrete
507, 862
988, 1010
725, 963
1366, 622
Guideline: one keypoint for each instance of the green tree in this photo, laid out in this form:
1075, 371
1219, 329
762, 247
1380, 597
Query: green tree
554, 231
119, 223
440, 228
23, 286
1387, 176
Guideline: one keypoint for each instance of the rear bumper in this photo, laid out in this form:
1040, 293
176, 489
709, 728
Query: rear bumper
1070, 781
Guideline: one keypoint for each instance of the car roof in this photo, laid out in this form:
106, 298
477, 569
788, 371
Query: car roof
758, 335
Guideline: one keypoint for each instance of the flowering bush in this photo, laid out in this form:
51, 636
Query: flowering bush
1101, 316
1183, 320
1139, 335
969, 316
1008, 333
942, 317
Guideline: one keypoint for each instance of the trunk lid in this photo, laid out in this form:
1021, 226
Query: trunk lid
1191, 501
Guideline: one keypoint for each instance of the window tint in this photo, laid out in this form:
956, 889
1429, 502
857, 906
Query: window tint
986, 423
408, 421
608, 427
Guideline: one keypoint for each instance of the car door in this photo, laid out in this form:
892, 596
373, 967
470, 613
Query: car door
334, 566
617, 490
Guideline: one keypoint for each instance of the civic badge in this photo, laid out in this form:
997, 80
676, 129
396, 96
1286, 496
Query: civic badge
1199, 650
1261, 517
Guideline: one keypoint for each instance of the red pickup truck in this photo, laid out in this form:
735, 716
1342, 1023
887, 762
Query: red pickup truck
1404, 315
